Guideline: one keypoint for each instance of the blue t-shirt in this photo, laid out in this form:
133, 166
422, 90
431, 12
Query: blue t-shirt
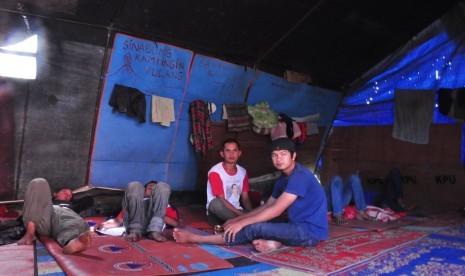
310, 208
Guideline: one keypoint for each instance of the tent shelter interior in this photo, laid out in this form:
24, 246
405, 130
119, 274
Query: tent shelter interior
355, 55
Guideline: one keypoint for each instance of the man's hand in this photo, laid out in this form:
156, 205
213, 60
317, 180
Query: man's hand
231, 230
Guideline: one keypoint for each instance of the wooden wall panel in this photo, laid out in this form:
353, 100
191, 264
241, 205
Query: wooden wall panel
432, 174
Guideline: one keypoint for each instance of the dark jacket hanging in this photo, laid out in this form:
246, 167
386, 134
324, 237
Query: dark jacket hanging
128, 100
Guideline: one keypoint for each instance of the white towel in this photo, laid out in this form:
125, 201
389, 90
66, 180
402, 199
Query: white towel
162, 110
312, 128
414, 111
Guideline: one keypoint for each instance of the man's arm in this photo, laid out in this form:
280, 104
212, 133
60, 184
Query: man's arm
229, 205
268, 203
245, 200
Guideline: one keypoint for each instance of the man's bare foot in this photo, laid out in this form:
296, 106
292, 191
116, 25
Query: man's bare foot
157, 236
30, 235
82, 242
27, 239
132, 237
266, 245
183, 236
406, 205
339, 219
362, 215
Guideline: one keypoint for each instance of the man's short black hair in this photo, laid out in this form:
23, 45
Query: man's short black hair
283, 144
230, 140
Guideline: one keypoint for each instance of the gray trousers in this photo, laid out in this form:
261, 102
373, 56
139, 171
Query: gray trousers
218, 213
141, 216
62, 224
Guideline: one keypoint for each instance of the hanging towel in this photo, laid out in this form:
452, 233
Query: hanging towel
201, 130
238, 117
413, 115
211, 108
225, 113
313, 118
312, 128
311, 121
162, 110
128, 100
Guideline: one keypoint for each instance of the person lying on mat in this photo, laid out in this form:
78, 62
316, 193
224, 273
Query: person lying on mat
227, 186
65, 198
145, 211
62, 224
296, 191
340, 195
392, 195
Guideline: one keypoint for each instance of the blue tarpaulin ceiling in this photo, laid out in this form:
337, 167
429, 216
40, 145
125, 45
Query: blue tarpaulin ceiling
433, 59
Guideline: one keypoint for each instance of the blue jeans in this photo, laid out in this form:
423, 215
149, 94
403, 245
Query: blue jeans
340, 194
285, 232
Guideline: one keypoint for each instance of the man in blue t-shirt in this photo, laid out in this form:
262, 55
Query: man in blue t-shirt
296, 191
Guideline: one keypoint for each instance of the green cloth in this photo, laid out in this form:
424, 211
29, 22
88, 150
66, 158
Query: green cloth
263, 116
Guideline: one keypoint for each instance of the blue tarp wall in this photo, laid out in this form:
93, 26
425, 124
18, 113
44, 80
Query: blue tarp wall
433, 59
125, 150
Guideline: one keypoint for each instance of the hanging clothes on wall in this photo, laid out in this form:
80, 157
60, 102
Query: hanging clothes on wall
451, 102
286, 128
414, 111
303, 132
263, 117
311, 121
162, 110
237, 116
201, 130
128, 100
289, 127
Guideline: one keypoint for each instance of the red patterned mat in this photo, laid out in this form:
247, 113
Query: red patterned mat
114, 256
436, 254
442, 220
377, 225
332, 255
194, 217
339, 231
16, 259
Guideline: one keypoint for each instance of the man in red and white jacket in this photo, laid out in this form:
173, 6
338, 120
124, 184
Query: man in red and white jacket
228, 186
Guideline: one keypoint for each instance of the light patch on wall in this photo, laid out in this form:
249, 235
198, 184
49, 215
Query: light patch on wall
29, 45
15, 65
